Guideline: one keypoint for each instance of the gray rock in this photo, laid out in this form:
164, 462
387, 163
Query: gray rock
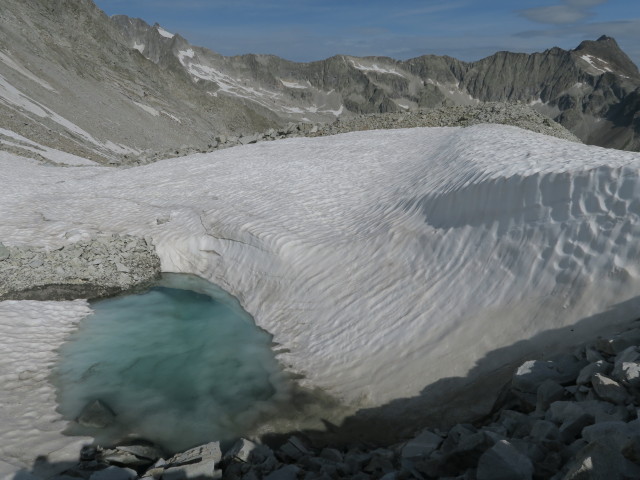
548, 392
531, 374
600, 366
122, 458
609, 390
208, 452
122, 268
288, 472
114, 473
517, 424
71, 272
598, 461
502, 462
150, 452
4, 252
240, 451
619, 435
592, 354
422, 445
572, 428
630, 374
628, 356
96, 414
206, 469
36, 262
331, 454
618, 343
543, 430
294, 448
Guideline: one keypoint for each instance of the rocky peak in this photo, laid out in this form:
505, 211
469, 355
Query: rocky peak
605, 54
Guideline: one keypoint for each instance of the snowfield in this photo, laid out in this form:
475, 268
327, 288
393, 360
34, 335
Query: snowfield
382, 261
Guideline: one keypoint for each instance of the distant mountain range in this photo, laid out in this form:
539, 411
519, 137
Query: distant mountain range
75, 79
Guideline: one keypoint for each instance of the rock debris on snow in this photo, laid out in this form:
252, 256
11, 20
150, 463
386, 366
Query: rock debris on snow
88, 268
569, 439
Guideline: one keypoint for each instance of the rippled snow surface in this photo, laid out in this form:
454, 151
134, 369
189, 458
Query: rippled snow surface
180, 364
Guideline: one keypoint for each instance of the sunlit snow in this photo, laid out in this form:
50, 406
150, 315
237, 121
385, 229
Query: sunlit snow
591, 60
164, 33
381, 261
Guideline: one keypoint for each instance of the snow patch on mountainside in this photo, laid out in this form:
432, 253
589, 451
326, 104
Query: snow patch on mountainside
14, 98
147, 108
294, 84
358, 65
57, 156
164, 33
20, 69
597, 63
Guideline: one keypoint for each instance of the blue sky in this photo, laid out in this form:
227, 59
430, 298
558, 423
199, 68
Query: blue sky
307, 30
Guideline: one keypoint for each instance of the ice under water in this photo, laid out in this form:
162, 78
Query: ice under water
180, 365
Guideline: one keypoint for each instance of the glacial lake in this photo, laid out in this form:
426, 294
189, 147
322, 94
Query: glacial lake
180, 364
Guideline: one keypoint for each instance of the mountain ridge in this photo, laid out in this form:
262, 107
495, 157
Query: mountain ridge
571, 86
112, 88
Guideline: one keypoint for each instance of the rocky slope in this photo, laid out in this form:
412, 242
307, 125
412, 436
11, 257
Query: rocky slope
592, 90
518, 115
69, 80
570, 417
113, 89
84, 268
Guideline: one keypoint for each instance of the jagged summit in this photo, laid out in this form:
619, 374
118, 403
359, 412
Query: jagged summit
606, 53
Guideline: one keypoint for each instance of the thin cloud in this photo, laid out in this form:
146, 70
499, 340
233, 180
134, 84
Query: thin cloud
442, 7
567, 13
585, 3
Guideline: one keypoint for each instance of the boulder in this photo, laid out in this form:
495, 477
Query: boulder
331, 454
599, 461
240, 451
114, 473
209, 451
504, 462
608, 389
617, 343
4, 252
422, 445
548, 392
96, 414
531, 374
288, 472
630, 374
142, 450
601, 366
204, 469
619, 435
544, 430
294, 448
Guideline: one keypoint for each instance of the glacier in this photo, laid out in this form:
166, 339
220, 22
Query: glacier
398, 270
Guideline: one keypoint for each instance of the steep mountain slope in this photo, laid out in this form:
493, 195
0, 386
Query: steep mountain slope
590, 90
69, 80
83, 86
